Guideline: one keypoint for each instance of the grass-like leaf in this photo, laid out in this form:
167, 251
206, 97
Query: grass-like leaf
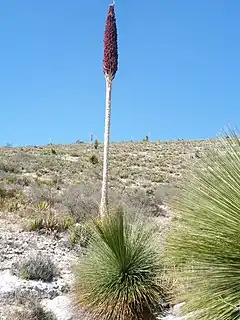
204, 240
120, 277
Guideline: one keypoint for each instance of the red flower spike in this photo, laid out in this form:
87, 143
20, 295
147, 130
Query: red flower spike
110, 59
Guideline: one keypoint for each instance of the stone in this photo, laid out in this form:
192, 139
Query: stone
61, 306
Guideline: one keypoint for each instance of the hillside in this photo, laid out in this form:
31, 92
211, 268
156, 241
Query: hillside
47, 192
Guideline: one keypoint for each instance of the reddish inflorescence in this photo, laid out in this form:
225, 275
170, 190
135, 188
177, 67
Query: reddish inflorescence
110, 60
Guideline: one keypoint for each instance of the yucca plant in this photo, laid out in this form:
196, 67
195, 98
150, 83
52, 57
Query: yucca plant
120, 277
110, 66
204, 241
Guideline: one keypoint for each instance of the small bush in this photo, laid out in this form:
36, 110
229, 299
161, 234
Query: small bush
74, 154
51, 223
93, 159
82, 202
36, 267
10, 167
96, 144
43, 192
32, 310
22, 181
11, 200
43, 205
8, 193
47, 182
119, 278
143, 203
79, 234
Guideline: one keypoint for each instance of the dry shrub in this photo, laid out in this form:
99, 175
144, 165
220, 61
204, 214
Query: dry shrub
82, 201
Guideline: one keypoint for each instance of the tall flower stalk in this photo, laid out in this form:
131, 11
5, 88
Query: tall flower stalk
110, 66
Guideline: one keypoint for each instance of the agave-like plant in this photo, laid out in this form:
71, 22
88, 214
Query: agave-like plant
204, 240
120, 277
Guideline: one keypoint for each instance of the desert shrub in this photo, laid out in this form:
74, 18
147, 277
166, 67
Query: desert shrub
11, 199
96, 144
46, 193
204, 236
36, 267
82, 202
22, 181
50, 223
93, 159
12, 179
47, 182
142, 203
79, 234
31, 310
10, 167
42, 205
119, 278
74, 154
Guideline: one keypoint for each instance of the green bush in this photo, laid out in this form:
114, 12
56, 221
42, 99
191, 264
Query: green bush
204, 238
93, 159
120, 276
36, 267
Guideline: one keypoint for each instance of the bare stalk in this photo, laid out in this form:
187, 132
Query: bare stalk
104, 198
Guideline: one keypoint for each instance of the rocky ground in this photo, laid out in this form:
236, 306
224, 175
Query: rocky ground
47, 192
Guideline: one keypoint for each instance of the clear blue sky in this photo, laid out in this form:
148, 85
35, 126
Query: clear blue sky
179, 69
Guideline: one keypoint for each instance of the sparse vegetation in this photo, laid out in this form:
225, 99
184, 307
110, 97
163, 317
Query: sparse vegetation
57, 195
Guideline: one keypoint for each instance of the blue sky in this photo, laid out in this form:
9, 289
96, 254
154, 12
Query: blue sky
179, 69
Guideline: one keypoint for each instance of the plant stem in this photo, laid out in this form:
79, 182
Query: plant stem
104, 198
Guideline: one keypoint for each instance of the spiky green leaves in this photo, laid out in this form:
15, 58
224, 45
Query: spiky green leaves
204, 241
120, 275
110, 59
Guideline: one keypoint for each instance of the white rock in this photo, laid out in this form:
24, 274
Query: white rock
60, 306
8, 282
174, 315
177, 308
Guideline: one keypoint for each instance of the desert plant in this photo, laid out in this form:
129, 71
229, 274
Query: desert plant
82, 202
30, 309
119, 278
142, 203
93, 159
96, 144
50, 223
10, 167
146, 139
110, 66
36, 267
204, 237
43, 205
79, 234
